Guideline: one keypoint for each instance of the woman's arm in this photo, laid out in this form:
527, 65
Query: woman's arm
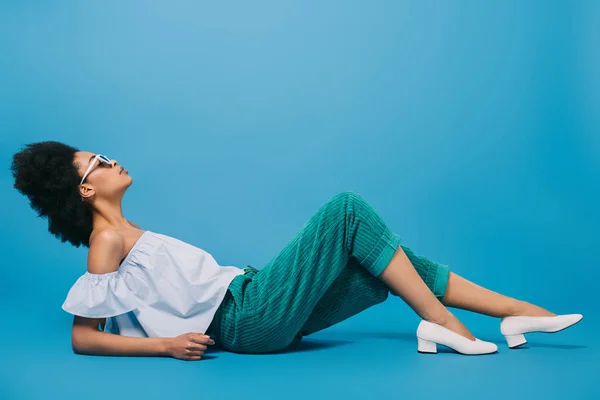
87, 339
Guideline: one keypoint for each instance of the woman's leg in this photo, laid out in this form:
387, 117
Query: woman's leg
352, 292
422, 289
464, 294
356, 289
277, 302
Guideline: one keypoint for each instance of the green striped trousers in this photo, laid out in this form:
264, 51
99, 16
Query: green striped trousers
328, 272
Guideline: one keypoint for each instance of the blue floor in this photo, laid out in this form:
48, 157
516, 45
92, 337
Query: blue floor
371, 355
471, 127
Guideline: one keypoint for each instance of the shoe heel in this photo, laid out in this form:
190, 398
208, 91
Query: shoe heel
515, 340
425, 346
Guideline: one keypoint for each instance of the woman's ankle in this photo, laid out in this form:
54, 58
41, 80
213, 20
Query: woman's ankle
458, 327
441, 319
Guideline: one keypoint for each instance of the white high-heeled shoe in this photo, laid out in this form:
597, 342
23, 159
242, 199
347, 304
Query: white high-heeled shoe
430, 334
513, 328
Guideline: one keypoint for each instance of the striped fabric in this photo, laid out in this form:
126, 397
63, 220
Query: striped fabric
327, 273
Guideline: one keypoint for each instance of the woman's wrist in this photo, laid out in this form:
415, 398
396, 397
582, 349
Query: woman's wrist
164, 346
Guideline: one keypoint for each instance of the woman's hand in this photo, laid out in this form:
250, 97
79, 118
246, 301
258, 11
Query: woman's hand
189, 346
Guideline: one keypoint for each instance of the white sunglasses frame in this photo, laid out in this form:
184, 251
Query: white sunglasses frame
99, 158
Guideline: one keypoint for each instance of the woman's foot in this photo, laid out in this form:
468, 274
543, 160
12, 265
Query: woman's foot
451, 322
523, 308
430, 335
515, 327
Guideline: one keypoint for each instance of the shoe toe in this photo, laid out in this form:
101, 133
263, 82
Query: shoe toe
573, 319
488, 347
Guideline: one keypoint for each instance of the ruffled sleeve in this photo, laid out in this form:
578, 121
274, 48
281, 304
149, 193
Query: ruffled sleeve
100, 295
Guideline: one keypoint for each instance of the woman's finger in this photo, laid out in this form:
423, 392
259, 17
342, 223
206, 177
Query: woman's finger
202, 339
195, 346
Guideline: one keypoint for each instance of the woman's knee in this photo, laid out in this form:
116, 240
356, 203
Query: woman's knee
347, 195
349, 201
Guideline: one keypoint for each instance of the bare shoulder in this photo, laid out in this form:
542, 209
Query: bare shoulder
105, 253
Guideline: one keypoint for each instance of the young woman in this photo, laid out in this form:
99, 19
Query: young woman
145, 293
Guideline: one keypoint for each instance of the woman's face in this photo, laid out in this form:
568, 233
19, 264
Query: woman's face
103, 180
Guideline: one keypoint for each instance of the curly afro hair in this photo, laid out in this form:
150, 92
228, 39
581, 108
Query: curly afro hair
45, 172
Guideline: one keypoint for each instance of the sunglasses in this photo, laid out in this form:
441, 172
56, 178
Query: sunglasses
100, 158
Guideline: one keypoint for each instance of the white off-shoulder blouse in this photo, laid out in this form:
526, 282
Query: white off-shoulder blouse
163, 288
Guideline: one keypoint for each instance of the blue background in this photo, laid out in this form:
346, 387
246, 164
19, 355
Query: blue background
472, 127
